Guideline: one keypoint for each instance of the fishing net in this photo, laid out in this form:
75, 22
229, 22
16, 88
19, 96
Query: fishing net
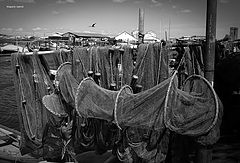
191, 111
58, 57
151, 65
93, 101
113, 66
94, 106
32, 82
194, 109
101, 64
68, 88
80, 63
148, 116
127, 65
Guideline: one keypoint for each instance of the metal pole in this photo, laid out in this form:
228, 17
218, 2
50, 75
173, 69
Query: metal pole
204, 154
210, 40
141, 26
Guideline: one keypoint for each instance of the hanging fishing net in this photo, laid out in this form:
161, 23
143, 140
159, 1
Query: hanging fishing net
151, 65
94, 106
114, 65
93, 101
61, 101
193, 110
148, 116
190, 111
80, 63
32, 83
101, 64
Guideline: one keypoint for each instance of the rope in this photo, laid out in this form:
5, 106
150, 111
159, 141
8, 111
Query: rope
159, 64
167, 97
23, 98
181, 61
97, 59
116, 103
145, 54
84, 69
90, 58
111, 67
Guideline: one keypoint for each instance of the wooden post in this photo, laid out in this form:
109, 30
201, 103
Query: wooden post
204, 154
141, 26
210, 40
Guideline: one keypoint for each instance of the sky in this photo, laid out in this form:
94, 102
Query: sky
44, 17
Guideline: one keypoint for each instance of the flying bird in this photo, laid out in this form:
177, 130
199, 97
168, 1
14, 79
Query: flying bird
93, 25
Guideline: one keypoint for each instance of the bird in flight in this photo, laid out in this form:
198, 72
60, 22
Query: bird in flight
93, 25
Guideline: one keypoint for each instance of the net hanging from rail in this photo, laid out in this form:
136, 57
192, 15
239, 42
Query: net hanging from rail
32, 82
151, 65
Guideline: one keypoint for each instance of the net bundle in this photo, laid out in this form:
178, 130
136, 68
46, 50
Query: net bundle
105, 61
149, 115
151, 65
93, 101
32, 82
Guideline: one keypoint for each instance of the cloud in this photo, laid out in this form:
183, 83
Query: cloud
186, 11
224, 1
6, 29
118, 1
65, 1
55, 12
25, 1
19, 29
174, 6
156, 3
37, 29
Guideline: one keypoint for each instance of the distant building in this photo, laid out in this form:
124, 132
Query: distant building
150, 37
233, 33
135, 34
85, 38
126, 37
55, 36
84, 35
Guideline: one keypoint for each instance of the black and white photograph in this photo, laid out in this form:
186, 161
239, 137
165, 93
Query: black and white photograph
119, 81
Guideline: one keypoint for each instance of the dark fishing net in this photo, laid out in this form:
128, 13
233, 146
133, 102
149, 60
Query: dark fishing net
143, 110
151, 65
68, 88
93, 101
189, 62
101, 60
127, 65
193, 110
101, 64
91, 133
32, 83
149, 115
80, 63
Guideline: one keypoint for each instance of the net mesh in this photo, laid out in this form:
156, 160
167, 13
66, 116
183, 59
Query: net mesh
93, 101
101, 60
151, 65
194, 109
32, 83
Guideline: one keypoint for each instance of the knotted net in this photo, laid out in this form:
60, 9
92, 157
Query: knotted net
32, 82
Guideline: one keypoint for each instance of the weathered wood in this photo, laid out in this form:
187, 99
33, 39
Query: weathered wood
141, 25
210, 40
204, 154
